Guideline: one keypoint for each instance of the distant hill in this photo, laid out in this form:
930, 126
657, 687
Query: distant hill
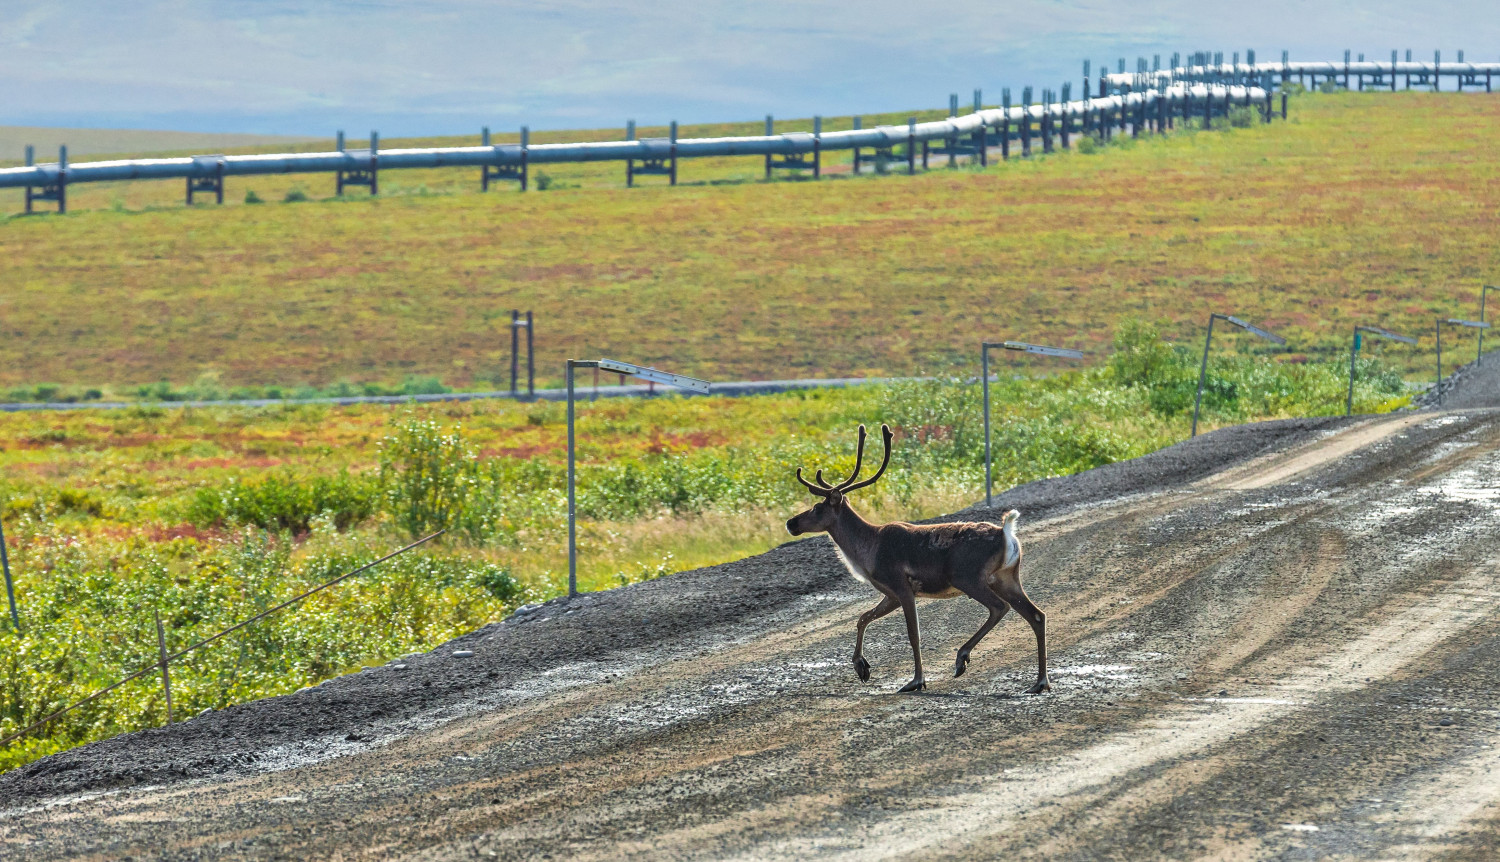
83, 142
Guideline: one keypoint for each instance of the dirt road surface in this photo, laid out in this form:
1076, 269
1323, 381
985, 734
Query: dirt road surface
1274, 641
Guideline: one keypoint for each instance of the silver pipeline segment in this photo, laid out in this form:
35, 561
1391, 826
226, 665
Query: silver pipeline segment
1321, 68
786, 144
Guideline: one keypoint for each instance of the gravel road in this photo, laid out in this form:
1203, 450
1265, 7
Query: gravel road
1275, 640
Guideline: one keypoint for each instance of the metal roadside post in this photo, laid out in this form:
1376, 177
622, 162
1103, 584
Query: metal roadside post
652, 375
1203, 370
161, 652
1438, 329
516, 325
1354, 351
984, 377
10, 590
1483, 292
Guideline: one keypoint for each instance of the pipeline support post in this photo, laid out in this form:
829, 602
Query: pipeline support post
214, 182
55, 191
798, 161
518, 172
356, 174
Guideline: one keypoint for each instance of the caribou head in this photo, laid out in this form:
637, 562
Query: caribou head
825, 513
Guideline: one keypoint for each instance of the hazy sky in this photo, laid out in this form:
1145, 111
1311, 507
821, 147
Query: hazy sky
449, 66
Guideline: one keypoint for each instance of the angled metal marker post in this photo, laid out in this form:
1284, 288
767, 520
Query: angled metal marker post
1438, 330
1354, 351
984, 376
10, 590
1203, 370
1483, 292
690, 383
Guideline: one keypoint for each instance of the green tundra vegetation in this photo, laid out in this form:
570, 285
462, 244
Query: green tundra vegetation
208, 516
1362, 209
1369, 208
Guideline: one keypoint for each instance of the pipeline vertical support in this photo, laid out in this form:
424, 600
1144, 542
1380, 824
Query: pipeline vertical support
771, 130
911, 146
1067, 117
817, 147
859, 123
674, 153
484, 170
30, 162
630, 163
982, 136
1005, 122
951, 141
1026, 122
525, 155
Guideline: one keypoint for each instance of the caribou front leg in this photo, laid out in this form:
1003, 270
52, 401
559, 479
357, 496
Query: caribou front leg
862, 667
914, 634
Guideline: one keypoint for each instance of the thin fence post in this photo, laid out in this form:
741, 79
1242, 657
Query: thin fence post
161, 651
10, 590
530, 355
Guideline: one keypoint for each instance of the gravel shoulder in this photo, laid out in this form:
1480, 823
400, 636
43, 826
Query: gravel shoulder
1271, 641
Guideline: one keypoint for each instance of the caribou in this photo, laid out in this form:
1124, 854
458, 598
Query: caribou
905, 562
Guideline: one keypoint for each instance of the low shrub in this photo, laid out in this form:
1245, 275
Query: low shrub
286, 503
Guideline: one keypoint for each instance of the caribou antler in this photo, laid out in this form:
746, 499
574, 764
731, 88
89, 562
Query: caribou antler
821, 488
885, 433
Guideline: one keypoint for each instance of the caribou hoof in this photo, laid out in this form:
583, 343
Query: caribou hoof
961, 665
915, 685
1041, 685
862, 668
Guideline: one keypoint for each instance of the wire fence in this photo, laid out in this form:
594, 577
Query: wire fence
164, 660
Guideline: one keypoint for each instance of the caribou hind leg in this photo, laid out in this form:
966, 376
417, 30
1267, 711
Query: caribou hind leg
862, 667
1010, 589
997, 606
